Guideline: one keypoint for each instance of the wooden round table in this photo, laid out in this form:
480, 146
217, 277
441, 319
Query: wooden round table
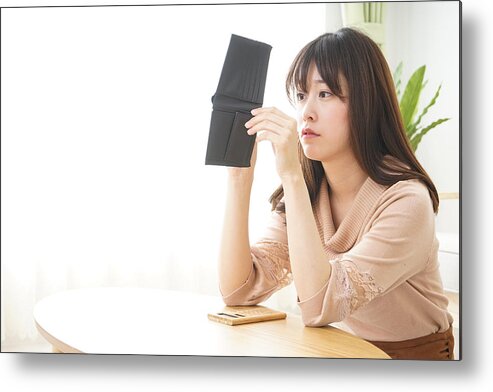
160, 322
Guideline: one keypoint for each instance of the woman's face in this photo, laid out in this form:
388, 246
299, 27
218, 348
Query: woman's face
323, 121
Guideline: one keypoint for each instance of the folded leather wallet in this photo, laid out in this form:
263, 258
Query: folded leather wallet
241, 88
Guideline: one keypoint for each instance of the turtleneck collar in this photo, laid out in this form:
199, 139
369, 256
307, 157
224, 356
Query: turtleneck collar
342, 239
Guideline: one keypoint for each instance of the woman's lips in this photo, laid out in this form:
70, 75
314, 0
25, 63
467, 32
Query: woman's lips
307, 133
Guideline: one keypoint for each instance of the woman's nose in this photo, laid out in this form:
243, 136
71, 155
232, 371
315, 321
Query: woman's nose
308, 111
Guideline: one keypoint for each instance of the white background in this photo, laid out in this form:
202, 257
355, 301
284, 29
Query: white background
129, 373
106, 116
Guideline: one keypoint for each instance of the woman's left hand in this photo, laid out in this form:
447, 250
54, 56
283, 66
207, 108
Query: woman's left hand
281, 130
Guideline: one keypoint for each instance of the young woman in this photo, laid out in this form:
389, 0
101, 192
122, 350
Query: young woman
353, 221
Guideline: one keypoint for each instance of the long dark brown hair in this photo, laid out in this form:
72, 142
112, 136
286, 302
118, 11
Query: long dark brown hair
377, 134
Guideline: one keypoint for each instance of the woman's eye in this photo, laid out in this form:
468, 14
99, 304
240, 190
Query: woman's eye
325, 94
300, 96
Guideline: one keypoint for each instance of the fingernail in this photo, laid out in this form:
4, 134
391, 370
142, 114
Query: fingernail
253, 111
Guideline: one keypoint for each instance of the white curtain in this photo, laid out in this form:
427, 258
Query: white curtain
105, 116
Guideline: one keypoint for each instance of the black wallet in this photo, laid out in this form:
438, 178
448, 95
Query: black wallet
241, 88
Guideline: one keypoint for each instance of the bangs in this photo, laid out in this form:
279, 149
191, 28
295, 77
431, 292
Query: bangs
324, 52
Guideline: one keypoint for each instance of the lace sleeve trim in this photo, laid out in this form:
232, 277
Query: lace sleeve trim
272, 258
353, 287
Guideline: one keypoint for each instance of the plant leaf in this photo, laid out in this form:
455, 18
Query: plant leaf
410, 98
417, 138
411, 131
425, 110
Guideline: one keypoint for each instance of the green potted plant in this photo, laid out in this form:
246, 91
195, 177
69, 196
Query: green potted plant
408, 103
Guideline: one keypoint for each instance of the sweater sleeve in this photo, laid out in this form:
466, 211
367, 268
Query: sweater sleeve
396, 246
271, 269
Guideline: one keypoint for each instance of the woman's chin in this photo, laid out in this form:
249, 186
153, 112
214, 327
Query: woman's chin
312, 154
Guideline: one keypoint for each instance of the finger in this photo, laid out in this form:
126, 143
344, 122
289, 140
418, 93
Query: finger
282, 122
265, 135
273, 113
267, 125
266, 110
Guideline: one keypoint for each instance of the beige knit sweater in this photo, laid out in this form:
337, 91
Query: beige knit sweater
385, 283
